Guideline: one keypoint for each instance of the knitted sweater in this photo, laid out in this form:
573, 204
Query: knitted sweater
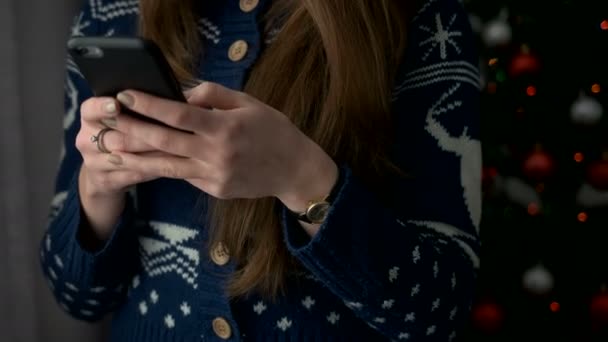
371, 273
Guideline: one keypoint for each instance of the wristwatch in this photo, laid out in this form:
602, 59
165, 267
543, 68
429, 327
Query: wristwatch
317, 210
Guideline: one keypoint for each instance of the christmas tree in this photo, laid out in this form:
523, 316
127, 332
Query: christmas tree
544, 231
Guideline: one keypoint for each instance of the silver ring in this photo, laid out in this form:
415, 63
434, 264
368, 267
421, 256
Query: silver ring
98, 140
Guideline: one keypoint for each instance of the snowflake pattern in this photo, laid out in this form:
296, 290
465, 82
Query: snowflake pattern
431, 330
393, 273
185, 308
435, 269
308, 302
143, 308
259, 307
435, 305
333, 318
416, 255
452, 336
169, 322
387, 304
154, 297
453, 313
67, 297
379, 320
415, 290
284, 324
404, 336
441, 36
410, 317
453, 281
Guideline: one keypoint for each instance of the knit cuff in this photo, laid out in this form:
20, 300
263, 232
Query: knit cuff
329, 254
104, 266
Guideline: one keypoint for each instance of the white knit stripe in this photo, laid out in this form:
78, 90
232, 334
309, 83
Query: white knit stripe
453, 234
443, 65
105, 12
447, 71
437, 80
423, 8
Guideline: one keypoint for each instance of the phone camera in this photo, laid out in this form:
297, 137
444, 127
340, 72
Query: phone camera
82, 51
89, 51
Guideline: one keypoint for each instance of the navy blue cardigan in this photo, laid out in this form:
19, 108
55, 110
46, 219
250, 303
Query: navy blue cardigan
372, 273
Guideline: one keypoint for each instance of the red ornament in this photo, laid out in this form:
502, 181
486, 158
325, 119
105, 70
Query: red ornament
488, 175
599, 310
524, 63
597, 174
488, 317
539, 165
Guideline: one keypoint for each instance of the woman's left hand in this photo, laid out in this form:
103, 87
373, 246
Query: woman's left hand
242, 148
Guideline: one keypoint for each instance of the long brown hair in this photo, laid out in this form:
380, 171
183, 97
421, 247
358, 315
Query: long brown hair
330, 71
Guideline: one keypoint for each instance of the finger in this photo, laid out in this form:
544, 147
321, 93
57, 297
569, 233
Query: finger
158, 137
117, 141
106, 162
95, 109
120, 179
112, 140
175, 114
159, 165
214, 95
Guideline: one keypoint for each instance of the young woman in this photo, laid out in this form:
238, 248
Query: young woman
330, 191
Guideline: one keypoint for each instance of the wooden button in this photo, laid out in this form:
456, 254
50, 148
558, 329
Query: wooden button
221, 328
237, 50
248, 5
219, 254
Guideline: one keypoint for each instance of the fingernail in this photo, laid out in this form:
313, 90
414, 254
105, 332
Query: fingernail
126, 99
111, 122
114, 159
110, 107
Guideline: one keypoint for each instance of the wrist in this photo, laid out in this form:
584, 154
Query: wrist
100, 211
315, 175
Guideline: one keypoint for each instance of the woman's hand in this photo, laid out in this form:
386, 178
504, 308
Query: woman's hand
241, 148
102, 186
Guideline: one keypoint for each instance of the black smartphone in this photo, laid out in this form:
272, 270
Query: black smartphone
114, 64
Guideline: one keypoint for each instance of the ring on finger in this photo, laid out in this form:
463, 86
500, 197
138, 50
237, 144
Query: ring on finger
98, 140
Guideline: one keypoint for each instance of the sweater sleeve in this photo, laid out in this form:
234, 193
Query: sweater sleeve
86, 284
409, 269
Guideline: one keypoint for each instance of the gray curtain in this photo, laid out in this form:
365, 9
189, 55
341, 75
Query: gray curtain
32, 54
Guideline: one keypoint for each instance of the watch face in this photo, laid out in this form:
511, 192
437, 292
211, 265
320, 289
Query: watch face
318, 212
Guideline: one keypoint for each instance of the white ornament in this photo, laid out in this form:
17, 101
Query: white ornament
586, 110
588, 196
538, 280
497, 31
520, 192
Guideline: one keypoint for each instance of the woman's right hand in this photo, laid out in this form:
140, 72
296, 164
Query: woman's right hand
101, 186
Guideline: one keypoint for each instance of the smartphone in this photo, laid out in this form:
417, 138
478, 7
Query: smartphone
113, 64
